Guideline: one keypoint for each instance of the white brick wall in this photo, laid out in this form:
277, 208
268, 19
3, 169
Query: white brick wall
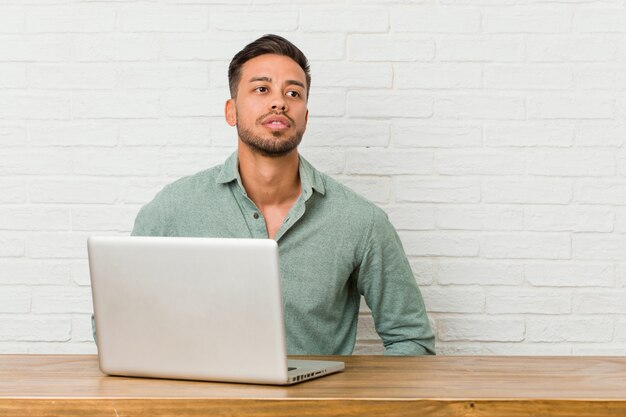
493, 132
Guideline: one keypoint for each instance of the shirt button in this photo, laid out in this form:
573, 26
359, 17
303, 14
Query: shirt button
255, 215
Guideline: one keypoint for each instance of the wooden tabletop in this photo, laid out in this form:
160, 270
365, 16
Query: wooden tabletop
46, 385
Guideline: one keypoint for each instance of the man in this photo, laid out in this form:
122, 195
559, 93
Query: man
333, 244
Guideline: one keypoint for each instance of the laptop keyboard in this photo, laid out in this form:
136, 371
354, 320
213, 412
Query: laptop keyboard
290, 368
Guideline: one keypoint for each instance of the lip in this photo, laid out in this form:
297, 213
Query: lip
276, 123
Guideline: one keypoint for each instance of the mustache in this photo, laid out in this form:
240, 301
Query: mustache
273, 113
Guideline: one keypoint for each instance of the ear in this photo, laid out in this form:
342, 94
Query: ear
306, 116
230, 112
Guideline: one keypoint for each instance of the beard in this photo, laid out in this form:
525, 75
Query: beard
274, 146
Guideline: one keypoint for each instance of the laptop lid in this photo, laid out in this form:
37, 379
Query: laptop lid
189, 308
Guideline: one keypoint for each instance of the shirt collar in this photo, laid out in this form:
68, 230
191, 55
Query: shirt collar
310, 178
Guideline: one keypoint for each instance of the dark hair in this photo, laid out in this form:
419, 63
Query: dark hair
268, 44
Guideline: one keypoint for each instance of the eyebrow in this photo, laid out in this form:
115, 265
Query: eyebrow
269, 80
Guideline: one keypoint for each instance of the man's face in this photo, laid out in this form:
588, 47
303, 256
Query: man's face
270, 109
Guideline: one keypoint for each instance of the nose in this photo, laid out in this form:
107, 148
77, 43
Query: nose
278, 103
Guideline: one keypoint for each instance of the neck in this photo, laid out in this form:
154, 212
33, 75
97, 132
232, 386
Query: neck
269, 181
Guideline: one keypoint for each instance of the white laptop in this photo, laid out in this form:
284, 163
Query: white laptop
193, 308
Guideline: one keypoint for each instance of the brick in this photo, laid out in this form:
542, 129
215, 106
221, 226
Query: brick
389, 104
255, 19
164, 133
13, 135
387, 48
528, 301
62, 348
151, 18
423, 271
573, 218
480, 107
458, 348
376, 189
48, 300
607, 301
329, 161
34, 272
116, 47
115, 105
435, 19
328, 103
470, 217
346, 132
535, 134
569, 49
103, 218
28, 105
599, 349
12, 75
56, 245
454, 300
186, 162
482, 162
411, 217
572, 329
11, 19
609, 19
482, 272
437, 190
73, 133
480, 329
140, 191
81, 328
439, 244
600, 77
192, 47
600, 134
73, 19
526, 245
73, 190
620, 220
523, 191
413, 134
526, 349
570, 162
163, 76
34, 218
598, 246
600, 191
34, 329
528, 77
569, 274
12, 191
80, 273
42, 162
366, 330
527, 20
438, 76
15, 299
115, 162
195, 103
11, 245
571, 107
388, 162
480, 49
620, 330
353, 19
339, 74
318, 46
34, 48
621, 163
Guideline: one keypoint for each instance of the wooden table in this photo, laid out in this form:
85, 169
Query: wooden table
47, 385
